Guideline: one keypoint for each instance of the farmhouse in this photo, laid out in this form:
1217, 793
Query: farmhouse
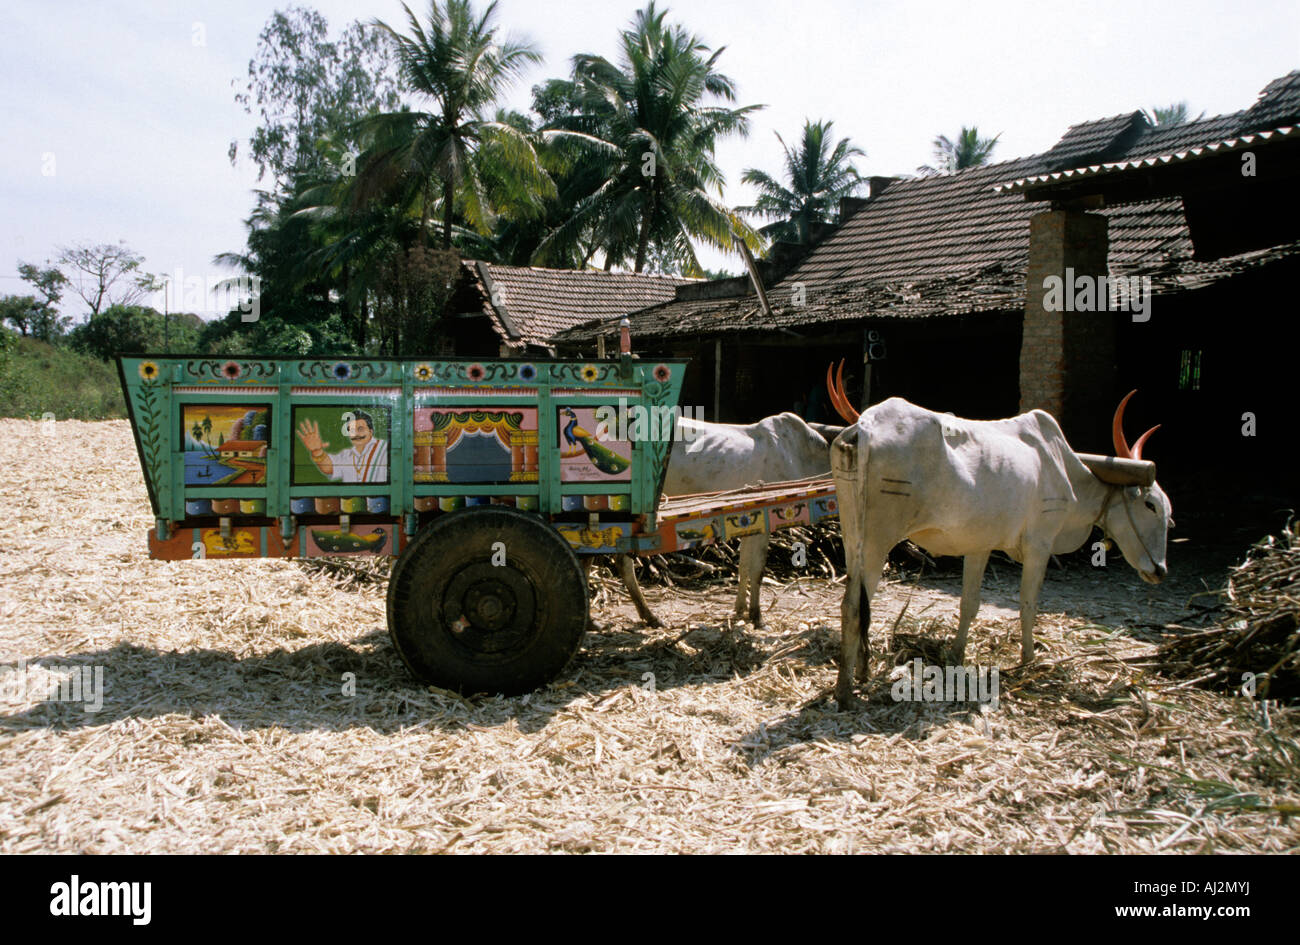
243, 449
934, 290
515, 310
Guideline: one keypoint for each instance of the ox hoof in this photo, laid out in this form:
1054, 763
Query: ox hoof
652, 621
594, 626
847, 701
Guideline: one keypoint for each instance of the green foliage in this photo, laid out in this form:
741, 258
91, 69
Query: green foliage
20, 311
659, 118
460, 64
37, 378
969, 150
306, 87
819, 175
135, 329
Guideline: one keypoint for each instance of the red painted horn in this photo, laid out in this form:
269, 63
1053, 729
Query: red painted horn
1122, 449
839, 399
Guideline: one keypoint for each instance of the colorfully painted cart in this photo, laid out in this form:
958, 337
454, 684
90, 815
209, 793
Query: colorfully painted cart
485, 480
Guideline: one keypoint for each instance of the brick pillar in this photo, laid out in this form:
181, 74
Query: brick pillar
1067, 359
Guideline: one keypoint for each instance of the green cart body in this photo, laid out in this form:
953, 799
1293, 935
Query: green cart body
486, 480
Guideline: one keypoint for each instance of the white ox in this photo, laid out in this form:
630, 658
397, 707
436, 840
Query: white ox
968, 487
716, 457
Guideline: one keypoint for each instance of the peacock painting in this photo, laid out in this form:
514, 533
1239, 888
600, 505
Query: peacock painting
578, 441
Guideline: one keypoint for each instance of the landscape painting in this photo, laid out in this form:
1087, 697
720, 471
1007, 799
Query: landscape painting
225, 444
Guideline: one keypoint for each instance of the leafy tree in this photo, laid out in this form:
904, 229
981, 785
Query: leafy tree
133, 329
969, 150
659, 109
1175, 114
45, 321
19, 311
819, 173
305, 87
296, 313
442, 158
105, 273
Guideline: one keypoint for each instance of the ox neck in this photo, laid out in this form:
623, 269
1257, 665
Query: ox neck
1094, 497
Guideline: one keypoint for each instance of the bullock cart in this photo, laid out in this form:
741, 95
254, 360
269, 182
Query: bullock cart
487, 482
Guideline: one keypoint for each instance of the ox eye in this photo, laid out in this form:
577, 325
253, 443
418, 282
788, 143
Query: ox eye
1151, 505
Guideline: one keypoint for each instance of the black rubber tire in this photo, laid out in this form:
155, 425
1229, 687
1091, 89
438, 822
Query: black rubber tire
514, 627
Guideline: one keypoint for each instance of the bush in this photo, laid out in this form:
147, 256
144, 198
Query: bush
37, 378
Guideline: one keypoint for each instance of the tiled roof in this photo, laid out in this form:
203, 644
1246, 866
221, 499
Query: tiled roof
992, 289
952, 244
1226, 146
1094, 141
1279, 104
529, 305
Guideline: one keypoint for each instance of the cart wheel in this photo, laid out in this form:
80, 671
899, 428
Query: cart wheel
469, 614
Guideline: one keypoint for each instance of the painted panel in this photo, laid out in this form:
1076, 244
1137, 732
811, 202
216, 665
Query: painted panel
743, 524
697, 531
475, 446
360, 539
824, 507
588, 449
344, 443
796, 513
225, 444
587, 540
240, 543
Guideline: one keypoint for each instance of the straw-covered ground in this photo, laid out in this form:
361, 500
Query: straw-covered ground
225, 727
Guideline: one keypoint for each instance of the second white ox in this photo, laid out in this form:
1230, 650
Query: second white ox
968, 487
716, 457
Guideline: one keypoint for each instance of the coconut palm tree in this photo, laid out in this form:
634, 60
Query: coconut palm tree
819, 174
461, 65
969, 150
660, 113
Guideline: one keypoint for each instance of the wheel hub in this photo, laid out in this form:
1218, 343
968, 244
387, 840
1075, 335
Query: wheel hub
490, 610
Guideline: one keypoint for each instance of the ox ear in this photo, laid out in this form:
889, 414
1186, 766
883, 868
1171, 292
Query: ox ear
1120, 472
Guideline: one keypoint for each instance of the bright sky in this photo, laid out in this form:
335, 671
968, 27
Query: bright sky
116, 124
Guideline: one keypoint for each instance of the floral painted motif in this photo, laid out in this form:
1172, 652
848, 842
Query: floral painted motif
475, 372
590, 372
231, 370
424, 372
341, 370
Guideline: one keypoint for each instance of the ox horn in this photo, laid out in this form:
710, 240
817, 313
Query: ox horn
840, 400
1122, 449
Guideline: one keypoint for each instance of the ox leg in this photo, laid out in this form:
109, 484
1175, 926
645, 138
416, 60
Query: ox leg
1031, 582
753, 559
855, 622
587, 562
972, 576
627, 572
855, 618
